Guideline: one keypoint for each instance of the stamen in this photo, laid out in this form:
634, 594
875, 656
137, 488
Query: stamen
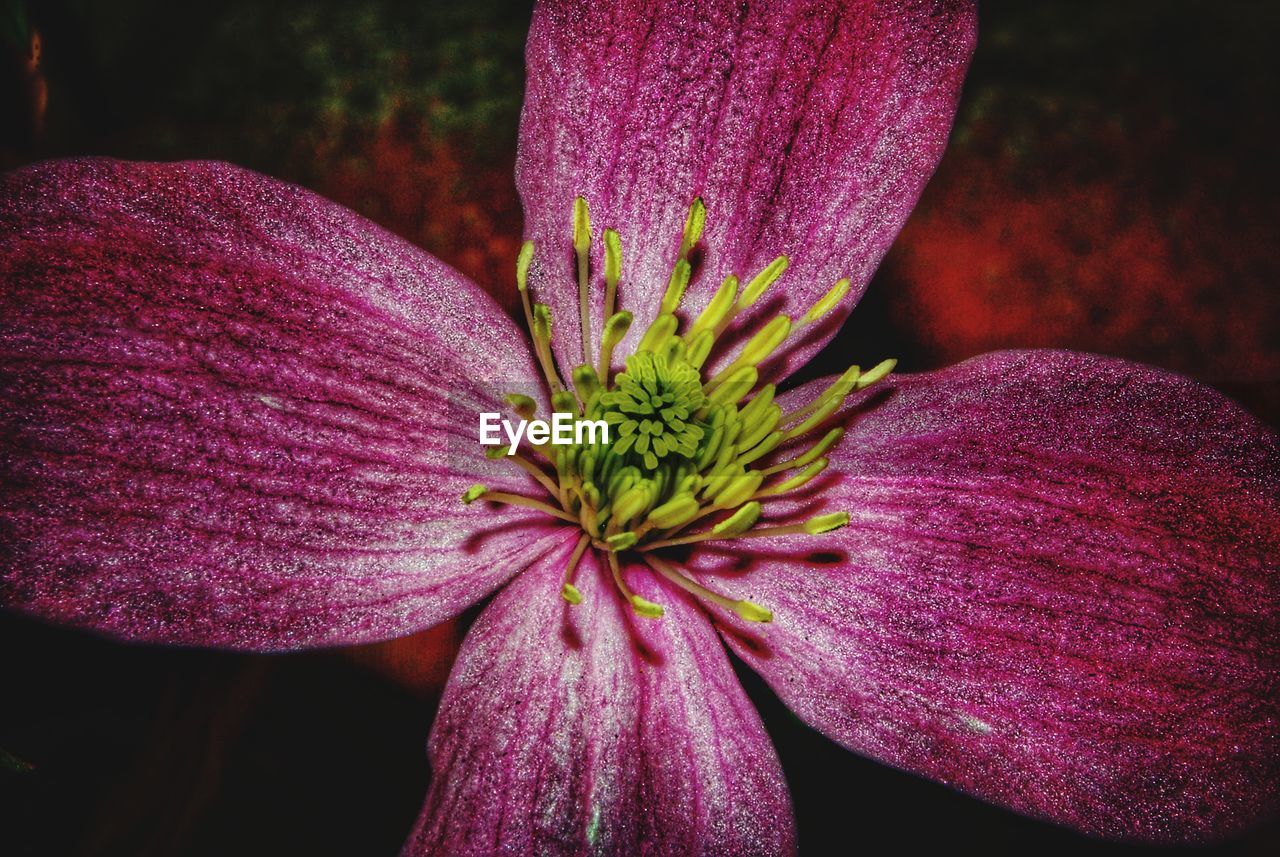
756, 350
735, 386
762, 281
829, 440
693, 223
540, 325
475, 492
813, 527
663, 326
680, 446
582, 245
615, 330
676, 511
716, 311
533, 470
612, 269
523, 406
761, 449
568, 591
839, 388
800, 479
748, 610
564, 402
827, 302
740, 521
679, 281
642, 606
586, 382
880, 370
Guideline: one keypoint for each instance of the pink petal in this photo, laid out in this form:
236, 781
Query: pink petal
583, 729
236, 414
1058, 592
809, 128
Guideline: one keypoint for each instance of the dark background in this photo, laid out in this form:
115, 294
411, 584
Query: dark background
1111, 186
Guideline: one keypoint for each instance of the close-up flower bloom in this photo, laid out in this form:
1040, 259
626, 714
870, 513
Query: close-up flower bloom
238, 415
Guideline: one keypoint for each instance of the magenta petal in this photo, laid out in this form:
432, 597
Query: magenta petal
809, 128
585, 730
1058, 592
236, 414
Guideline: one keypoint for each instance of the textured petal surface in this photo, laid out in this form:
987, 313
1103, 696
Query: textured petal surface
237, 414
585, 730
809, 128
1059, 592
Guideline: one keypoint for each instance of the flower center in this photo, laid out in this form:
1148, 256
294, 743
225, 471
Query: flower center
682, 447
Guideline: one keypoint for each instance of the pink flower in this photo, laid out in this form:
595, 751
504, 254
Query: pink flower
238, 415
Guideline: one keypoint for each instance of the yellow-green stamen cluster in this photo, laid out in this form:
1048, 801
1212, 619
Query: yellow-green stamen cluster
684, 460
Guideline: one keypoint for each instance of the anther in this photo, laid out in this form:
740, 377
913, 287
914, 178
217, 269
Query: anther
568, 591
748, 610
612, 269
642, 606
827, 302
693, 223
582, 245
761, 281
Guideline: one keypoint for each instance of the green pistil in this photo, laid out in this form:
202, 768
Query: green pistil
683, 445
652, 407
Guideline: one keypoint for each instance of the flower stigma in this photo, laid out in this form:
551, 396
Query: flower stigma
684, 457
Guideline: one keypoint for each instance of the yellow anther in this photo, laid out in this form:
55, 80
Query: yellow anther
524, 406
829, 440
693, 223
819, 416
762, 281
654, 338
642, 606
581, 225
763, 343
564, 402
632, 503
718, 309
734, 387
752, 612
827, 302
621, 541
758, 405
842, 386
675, 287
615, 330
522, 265
474, 493
758, 425
646, 608
570, 593
493, 453
826, 523
700, 348
612, 269
586, 382
582, 244
763, 448
756, 350
800, 479
542, 324
875, 373
747, 610
740, 521
739, 490
677, 511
